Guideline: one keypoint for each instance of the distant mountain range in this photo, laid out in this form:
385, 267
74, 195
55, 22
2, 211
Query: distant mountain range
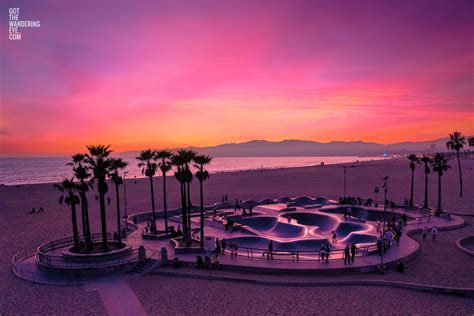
301, 148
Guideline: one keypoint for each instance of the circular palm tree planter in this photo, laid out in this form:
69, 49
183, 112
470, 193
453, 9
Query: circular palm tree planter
56, 258
179, 248
116, 251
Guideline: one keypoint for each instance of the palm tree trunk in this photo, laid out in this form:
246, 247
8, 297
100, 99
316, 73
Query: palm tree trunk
153, 225
119, 231
83, 215
439, 193
165, 208
202, 215
88, 227
412, 185
75, 231
190, 210
103, 217
183, 212
425, 204
460, 173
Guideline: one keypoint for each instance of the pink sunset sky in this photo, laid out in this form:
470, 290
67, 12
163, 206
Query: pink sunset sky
138, 74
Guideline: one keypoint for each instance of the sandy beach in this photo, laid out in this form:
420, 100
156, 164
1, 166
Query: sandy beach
443, 264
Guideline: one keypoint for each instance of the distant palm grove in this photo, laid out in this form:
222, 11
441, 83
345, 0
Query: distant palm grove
439, 164
92, 169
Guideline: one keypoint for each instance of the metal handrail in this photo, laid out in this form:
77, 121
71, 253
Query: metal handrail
304, 255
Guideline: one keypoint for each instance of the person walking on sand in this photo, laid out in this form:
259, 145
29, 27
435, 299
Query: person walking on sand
270, 250
347, 254
334, 237
425, 231
353, 251
33, 210
434, 232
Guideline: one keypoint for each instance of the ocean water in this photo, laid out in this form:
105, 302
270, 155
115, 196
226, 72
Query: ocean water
50, 170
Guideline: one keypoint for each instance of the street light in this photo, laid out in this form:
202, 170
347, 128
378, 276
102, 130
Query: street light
125, 199
385, 189
345, 173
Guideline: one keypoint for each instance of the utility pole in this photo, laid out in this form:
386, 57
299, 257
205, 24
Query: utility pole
385, 189
125, 216
345, 176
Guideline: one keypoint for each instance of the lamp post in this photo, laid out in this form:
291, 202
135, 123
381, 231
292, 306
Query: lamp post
125, 216
345, 175
385, 189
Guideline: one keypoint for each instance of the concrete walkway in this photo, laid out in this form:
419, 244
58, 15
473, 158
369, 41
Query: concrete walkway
118, 298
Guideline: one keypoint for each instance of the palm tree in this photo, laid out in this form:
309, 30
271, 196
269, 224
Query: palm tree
471, 141
413, 161
440, 165
81, 172
456, 142
147, 158
426, 160
181, 160
202, 175
165, 165
69, 190
116, 165
99, 162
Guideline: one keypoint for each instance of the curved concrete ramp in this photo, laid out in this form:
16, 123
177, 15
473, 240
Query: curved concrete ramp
345, 228
283, 199
284, 230
359, 212
261, 223
304, 200
360, 238
324, 222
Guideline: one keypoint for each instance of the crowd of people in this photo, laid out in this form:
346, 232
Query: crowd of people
352, 200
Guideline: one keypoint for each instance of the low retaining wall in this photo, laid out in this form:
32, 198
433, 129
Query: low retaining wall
461, 244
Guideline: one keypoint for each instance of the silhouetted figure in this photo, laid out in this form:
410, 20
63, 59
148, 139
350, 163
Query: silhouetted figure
218, 246
215, 262
250, 210
200, 262
179, 231
347, 254
404, 219
322, 253
223, 245
41, 210
353, 251
434, 232
425, 232
328, 252
33, 210
334, 237
207, 262
270, 250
